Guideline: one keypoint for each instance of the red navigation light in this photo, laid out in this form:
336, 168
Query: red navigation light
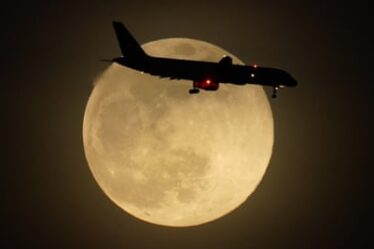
208, 81
255, 65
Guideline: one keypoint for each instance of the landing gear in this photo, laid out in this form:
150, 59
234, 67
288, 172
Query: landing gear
194, 91
275, 89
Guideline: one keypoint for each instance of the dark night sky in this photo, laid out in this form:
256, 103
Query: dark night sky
316, 192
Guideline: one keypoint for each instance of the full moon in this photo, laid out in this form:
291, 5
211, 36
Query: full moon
171, 158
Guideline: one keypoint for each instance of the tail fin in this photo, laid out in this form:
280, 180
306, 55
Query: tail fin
129, 46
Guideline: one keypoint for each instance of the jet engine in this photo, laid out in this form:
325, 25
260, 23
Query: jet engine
206, 84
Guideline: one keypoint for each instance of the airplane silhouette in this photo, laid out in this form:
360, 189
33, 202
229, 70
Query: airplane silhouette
204, 75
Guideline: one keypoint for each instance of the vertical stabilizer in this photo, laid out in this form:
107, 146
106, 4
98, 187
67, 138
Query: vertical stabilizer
129, 46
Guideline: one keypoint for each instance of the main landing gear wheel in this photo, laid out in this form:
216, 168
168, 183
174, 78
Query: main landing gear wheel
194, 91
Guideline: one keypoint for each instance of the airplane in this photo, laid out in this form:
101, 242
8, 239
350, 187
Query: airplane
204, 75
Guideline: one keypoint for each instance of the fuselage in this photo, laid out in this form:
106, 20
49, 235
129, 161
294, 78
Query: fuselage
203, 74
202, 70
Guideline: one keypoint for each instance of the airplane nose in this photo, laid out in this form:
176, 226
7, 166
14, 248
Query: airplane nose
292, 81
289, 80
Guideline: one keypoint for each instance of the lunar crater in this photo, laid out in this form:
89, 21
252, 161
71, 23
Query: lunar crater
185, 49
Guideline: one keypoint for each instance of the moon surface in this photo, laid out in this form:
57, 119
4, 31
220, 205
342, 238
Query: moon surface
171, 158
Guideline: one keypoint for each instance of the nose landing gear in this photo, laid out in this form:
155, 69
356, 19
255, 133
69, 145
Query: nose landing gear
275, 89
